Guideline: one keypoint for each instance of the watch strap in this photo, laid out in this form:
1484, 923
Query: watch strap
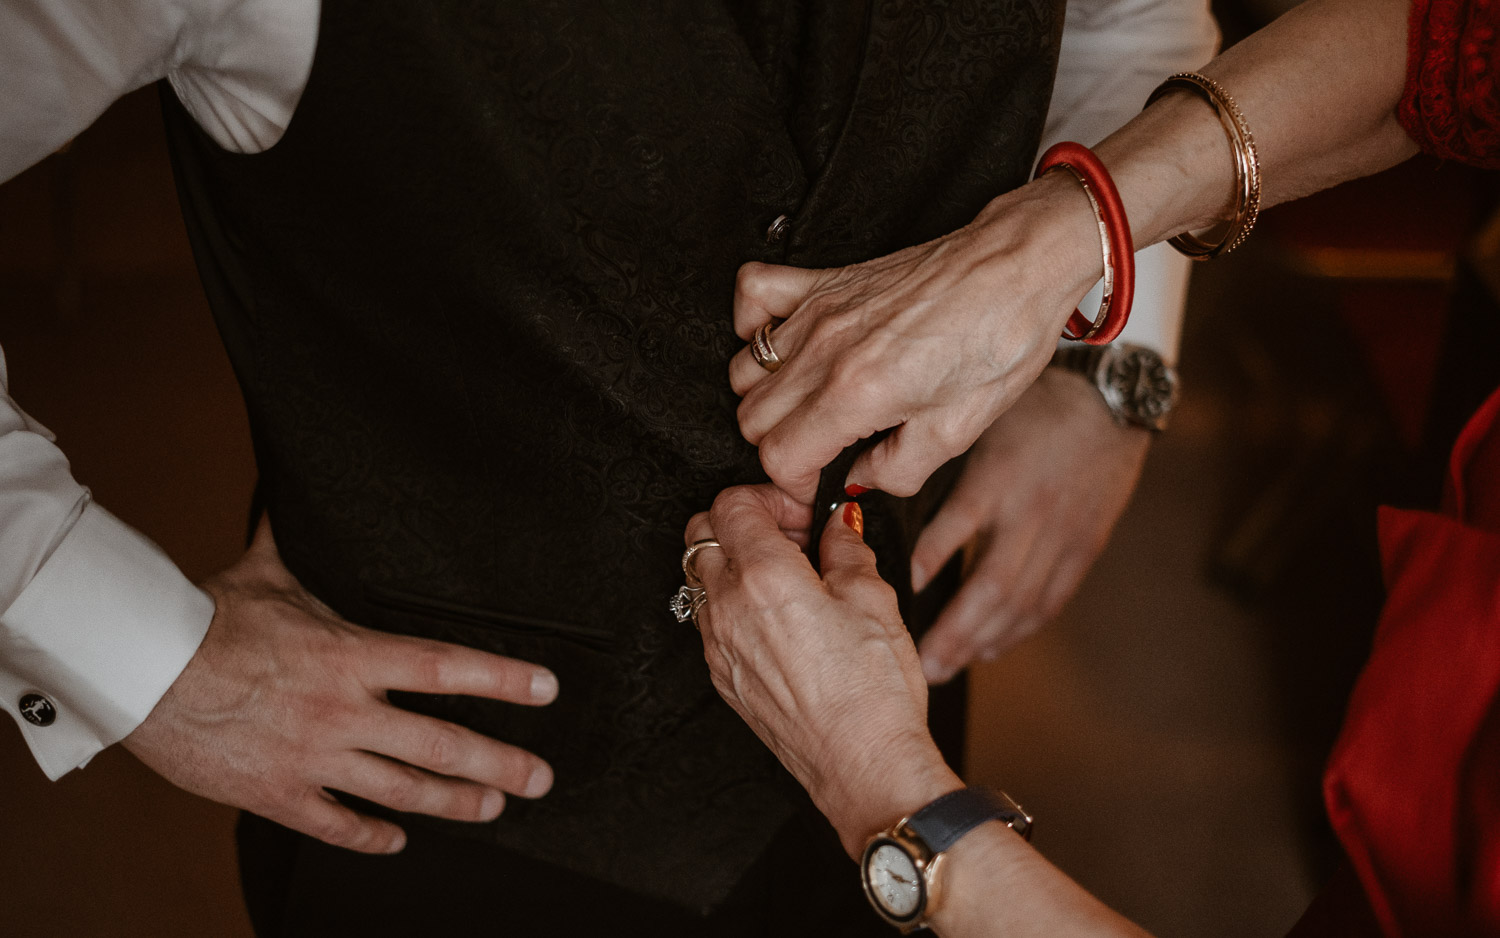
1081, 359
944, 821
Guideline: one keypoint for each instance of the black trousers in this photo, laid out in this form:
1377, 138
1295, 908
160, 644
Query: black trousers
803, 886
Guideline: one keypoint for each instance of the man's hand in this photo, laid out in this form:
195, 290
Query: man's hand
932, 343
1035, 504
284, 701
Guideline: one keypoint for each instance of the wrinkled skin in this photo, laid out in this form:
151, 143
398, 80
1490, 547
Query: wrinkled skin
820, 667
933, 342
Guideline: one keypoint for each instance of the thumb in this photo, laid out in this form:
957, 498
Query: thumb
843, 551
763, 292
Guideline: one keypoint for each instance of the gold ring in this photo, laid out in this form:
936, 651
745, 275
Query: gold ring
689, 571
760, 348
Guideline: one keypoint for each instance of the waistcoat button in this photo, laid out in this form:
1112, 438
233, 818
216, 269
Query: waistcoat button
776, 233
38, 710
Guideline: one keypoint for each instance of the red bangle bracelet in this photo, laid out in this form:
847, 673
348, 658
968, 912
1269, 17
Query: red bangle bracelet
1114, 237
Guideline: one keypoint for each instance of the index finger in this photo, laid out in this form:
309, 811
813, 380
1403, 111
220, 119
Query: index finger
750, 523
399, 662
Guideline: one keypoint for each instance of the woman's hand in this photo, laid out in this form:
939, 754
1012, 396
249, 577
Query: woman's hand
934, 341
1029, 520
821, 668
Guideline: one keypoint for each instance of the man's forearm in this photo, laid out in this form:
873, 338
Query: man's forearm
95, 622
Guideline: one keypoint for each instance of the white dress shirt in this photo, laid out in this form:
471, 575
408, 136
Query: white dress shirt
93, 616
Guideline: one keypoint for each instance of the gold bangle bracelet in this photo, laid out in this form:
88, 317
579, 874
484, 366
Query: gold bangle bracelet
1246, 167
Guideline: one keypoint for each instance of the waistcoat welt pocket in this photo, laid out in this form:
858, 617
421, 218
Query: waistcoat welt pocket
505, 623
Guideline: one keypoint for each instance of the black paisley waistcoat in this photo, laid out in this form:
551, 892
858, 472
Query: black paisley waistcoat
479, 301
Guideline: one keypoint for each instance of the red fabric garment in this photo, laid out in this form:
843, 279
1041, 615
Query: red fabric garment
1451, 107
1413, 786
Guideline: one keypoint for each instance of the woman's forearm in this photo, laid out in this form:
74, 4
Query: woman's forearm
1318, 89
995, 885
992, 883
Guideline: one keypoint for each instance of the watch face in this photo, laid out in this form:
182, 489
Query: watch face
893, 882
1141, 385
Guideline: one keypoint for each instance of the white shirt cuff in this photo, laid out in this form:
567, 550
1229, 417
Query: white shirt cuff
1161, 284
102, 630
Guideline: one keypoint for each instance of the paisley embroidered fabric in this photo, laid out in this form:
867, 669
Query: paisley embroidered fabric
1450, 106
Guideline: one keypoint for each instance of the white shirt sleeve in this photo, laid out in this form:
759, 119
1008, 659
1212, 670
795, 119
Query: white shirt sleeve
1114, 53
239, 66
94, 619
95, 622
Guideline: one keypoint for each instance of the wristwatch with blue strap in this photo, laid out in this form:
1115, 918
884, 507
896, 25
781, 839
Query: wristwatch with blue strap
900, 866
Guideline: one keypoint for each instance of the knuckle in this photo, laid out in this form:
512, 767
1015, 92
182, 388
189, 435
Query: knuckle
893, 482
748, 282
730, 505
433, 666
830, 320
463, 801
760, 584
747, 415
851, 376
338, 829
952, 434
443, 751
400, 790
785, 460
741, 378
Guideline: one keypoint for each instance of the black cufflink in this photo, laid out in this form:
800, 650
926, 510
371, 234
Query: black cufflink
38, 710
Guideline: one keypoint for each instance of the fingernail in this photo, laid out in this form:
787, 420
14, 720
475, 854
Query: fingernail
540, 782
935, 672
492, 805
854, 490
854, 517
397, 844
543, 686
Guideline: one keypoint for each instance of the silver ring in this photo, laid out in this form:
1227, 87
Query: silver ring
685, 603
760, 348
691, 596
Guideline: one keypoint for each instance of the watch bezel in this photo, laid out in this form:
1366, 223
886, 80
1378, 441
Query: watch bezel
1124, 409
921, 859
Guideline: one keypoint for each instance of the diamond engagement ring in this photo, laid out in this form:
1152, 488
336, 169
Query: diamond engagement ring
691, 596
685, 603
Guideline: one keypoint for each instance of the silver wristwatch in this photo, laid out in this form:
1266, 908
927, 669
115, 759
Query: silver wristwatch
1139, 388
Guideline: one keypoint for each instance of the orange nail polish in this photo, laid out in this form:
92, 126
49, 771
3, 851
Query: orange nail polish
854, 517
854, 490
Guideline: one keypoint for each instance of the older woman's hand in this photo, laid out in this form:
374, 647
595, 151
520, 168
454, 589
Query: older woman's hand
821, 668
934, 341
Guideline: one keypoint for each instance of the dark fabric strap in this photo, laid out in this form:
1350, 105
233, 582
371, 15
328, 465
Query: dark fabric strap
1083, 359
945, 820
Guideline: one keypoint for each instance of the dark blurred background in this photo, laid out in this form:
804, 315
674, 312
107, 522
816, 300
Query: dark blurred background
1168, 731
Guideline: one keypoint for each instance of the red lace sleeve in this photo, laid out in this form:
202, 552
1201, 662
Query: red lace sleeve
1450, 106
